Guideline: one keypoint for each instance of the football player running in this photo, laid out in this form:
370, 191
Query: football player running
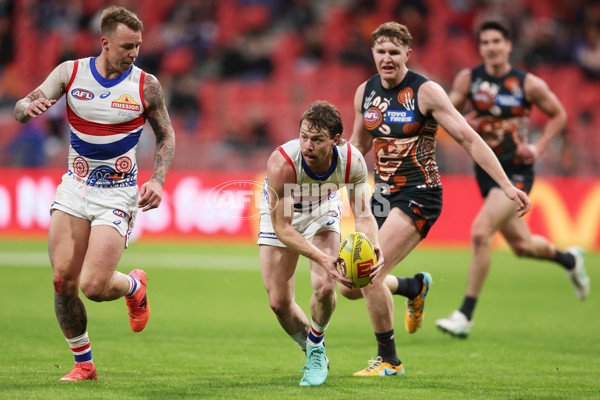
397, 112
108, 101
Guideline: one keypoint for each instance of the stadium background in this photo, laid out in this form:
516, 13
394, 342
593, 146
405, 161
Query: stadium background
237, 74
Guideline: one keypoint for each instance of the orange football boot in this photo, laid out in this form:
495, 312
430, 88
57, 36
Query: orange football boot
378, 367
81, 371
415, 308
139, 308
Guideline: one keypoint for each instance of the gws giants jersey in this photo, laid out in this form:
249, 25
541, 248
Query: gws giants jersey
311, 190
501, 102
404, 138
106, 118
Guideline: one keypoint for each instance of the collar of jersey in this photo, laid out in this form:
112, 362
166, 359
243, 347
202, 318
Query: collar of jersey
107, 83
326, 174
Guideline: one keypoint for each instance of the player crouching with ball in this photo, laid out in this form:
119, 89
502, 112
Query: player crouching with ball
300, 214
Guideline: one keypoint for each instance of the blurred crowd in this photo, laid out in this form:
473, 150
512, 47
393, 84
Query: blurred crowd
237, 74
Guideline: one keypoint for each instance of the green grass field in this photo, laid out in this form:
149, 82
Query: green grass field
212, 335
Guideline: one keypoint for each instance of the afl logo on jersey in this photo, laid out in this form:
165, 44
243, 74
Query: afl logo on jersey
483, 100
126, 102
372, 118
82, 94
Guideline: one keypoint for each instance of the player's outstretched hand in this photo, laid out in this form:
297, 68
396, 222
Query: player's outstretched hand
38, 107
334, 272
519, 197
376, 268
150, 195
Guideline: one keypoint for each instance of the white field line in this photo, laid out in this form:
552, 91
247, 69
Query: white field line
170, 260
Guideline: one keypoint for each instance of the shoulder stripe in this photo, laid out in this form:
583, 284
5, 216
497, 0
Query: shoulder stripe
142, 77
348, 162
289, 160
75, 67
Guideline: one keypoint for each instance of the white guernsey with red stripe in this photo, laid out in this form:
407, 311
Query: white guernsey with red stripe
347, 167
106, 118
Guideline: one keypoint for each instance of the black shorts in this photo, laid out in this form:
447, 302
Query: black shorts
520, 175
424, 206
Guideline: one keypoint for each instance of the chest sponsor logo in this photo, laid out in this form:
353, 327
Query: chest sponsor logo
507, 100
82, 94
399, 116
126, 102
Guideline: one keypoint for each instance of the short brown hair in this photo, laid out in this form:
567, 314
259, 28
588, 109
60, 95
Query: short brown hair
393, 31
496, 26
322, 115
115, 15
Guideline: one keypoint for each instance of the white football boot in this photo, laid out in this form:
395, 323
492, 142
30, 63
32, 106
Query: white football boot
456, 324
578, 276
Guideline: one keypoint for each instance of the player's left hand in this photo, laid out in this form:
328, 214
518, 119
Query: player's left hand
150, 195
376, 268
519, 197
527, 153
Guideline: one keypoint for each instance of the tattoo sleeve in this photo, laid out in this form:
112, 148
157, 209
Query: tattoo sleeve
158, 117
70, 314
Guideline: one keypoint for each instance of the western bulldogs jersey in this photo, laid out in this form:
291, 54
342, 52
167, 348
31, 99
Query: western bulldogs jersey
502, 104
106, 117
347, 167
403, 138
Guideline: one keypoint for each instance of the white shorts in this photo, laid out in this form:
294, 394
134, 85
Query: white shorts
327, 218
116, 207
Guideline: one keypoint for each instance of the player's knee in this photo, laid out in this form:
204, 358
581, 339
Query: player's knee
521, 248
351, 294
324, 289
93, 290
480, 237
64, 285
280, 306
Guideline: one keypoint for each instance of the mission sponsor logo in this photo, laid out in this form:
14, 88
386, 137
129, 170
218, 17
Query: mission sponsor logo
126, 102
82, 94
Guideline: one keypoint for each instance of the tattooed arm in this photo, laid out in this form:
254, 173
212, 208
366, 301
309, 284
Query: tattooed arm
37, 102
158, 117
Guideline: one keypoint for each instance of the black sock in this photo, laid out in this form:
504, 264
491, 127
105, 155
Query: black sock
468, 306
386, 347
567, 260
410, 287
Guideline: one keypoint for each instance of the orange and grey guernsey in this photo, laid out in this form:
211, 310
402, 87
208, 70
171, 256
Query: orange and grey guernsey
501, 104
403, 138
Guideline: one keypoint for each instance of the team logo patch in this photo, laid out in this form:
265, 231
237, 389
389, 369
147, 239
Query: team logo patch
126, 102
399, 116
80, 166
405, 96
119, 213
82, 94
372, 118
123, 164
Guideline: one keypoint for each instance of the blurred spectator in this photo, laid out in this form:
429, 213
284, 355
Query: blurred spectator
587, 51
27, 147
184, 103
6, 32
246, 57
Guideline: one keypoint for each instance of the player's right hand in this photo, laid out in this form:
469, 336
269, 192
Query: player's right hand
38, 107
